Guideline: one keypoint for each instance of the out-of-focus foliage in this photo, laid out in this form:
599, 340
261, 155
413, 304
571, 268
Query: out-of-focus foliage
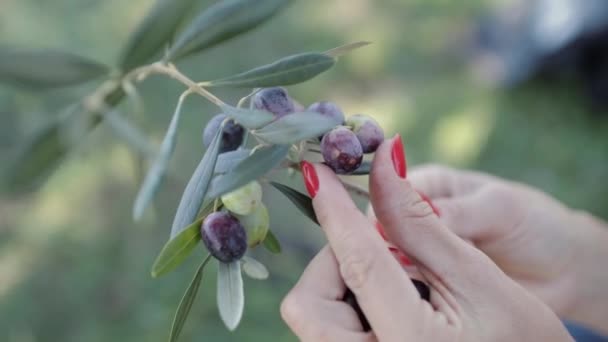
73, 266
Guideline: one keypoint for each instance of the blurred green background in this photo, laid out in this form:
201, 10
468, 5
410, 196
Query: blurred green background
74, 267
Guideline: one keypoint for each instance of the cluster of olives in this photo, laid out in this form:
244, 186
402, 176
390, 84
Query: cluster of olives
243, 222
342, 147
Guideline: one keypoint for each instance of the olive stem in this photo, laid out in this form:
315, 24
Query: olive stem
95, 101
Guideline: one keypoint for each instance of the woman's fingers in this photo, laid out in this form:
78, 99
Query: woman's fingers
321, 277
439, 181
366, 265
314, 309
410, 222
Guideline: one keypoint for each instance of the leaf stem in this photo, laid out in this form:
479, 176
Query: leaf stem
245, 98
95, 101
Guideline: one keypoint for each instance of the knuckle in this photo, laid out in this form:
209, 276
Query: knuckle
356, 266
290, 310
416, 208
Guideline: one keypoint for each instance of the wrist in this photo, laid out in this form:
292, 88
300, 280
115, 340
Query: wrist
589, 290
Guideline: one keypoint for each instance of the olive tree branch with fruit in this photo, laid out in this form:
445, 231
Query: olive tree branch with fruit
222, 202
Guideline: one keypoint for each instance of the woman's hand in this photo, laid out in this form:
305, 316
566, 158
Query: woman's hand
471, 300
549, 249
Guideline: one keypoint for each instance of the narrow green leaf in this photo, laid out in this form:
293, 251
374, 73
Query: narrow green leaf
286, 71
249, 118
344, 49
46, 148
177, 249
227, 161
195, 191
252, 168
43, 68
222, 21
159, 167
183, 309
295, 127
154, 32
254, 269
272, 243
130, 134
301, 201
230, 293
364, 169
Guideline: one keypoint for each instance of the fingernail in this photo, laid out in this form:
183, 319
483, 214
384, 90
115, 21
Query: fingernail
398, 157
430, 203
310, 178
380, 230
403, 259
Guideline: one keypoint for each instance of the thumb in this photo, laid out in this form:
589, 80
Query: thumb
409, 221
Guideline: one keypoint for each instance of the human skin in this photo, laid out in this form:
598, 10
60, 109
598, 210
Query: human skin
471, 299
553, 251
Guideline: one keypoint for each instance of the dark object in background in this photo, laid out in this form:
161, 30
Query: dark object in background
349, 297
583, 334
549, 38
423, 289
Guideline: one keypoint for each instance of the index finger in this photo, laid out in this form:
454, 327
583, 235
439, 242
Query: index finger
366, 265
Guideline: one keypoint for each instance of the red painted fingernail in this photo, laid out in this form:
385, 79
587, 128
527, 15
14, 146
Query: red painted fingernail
380, 230
310, 178
403, 259
428, 200
398, 157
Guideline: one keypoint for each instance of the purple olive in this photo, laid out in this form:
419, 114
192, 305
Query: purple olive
224, 236
341, 150
232, 135
328, 109
367, 130
274, 100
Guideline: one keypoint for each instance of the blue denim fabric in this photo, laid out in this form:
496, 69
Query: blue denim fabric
583, 334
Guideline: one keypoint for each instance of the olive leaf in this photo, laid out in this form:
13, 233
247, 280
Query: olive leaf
249, 118
38, 157
222, 21
286, 71
183, 309
43, 151
154, 32
252, 168
177, 249
159, 166
364, 169
271, 243
253, 268
295, 127
301, 201
344, 49
229, 160
129, 133
195, 191
43, 68
230, 293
